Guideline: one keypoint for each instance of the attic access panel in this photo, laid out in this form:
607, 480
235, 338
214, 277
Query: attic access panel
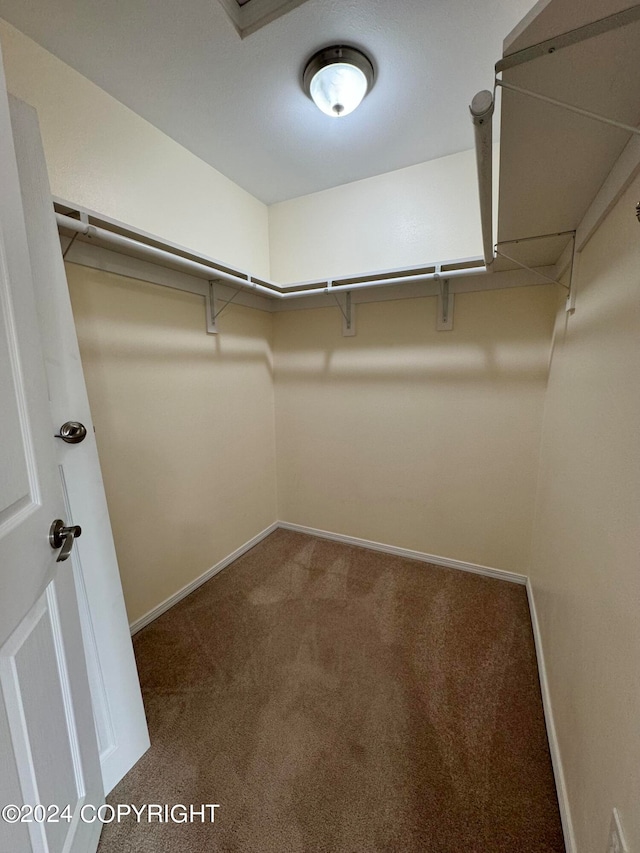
247, 16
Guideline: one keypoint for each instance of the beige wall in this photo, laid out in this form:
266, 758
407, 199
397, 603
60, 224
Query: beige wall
103, 156
184, 424
416, 438
586, 546
401, 434
428, 212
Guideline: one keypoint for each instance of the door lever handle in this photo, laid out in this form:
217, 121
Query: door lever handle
72, 432
63, 537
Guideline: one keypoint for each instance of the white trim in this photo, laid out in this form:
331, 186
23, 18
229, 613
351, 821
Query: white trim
487, 571
500, 574
161, 608
552, 737
253, 16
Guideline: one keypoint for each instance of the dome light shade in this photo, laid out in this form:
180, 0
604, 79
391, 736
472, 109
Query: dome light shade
337, 79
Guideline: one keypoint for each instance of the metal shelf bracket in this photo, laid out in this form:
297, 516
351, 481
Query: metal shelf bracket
348, 315
444, 318
211, 309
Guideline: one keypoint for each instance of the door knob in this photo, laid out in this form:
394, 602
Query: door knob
73, 432
63, 537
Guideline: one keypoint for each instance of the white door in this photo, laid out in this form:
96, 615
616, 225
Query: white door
115, 690
48, 748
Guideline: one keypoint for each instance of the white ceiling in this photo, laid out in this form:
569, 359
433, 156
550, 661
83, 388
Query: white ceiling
238, 104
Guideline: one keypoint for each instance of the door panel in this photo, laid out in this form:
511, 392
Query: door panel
45, 742
13, 836
24, 484
48, 749
115, 690
14, 473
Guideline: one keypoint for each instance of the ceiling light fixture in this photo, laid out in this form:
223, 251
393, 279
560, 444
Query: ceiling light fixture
337, 79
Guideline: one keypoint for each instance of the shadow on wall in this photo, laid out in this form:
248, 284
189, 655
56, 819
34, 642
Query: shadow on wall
498, 337
417, 438
124, 328
184, 424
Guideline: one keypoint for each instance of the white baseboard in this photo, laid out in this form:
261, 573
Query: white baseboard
161, 608
552, 737
512, 577
501, 574
203, 578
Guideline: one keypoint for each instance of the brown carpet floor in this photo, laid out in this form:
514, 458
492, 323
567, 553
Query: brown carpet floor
333, 699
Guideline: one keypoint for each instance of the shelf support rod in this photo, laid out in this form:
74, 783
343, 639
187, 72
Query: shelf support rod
530, 269
587, 113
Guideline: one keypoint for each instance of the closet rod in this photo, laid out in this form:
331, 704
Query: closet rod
389, 282
160, 255
322, 288
330, 287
